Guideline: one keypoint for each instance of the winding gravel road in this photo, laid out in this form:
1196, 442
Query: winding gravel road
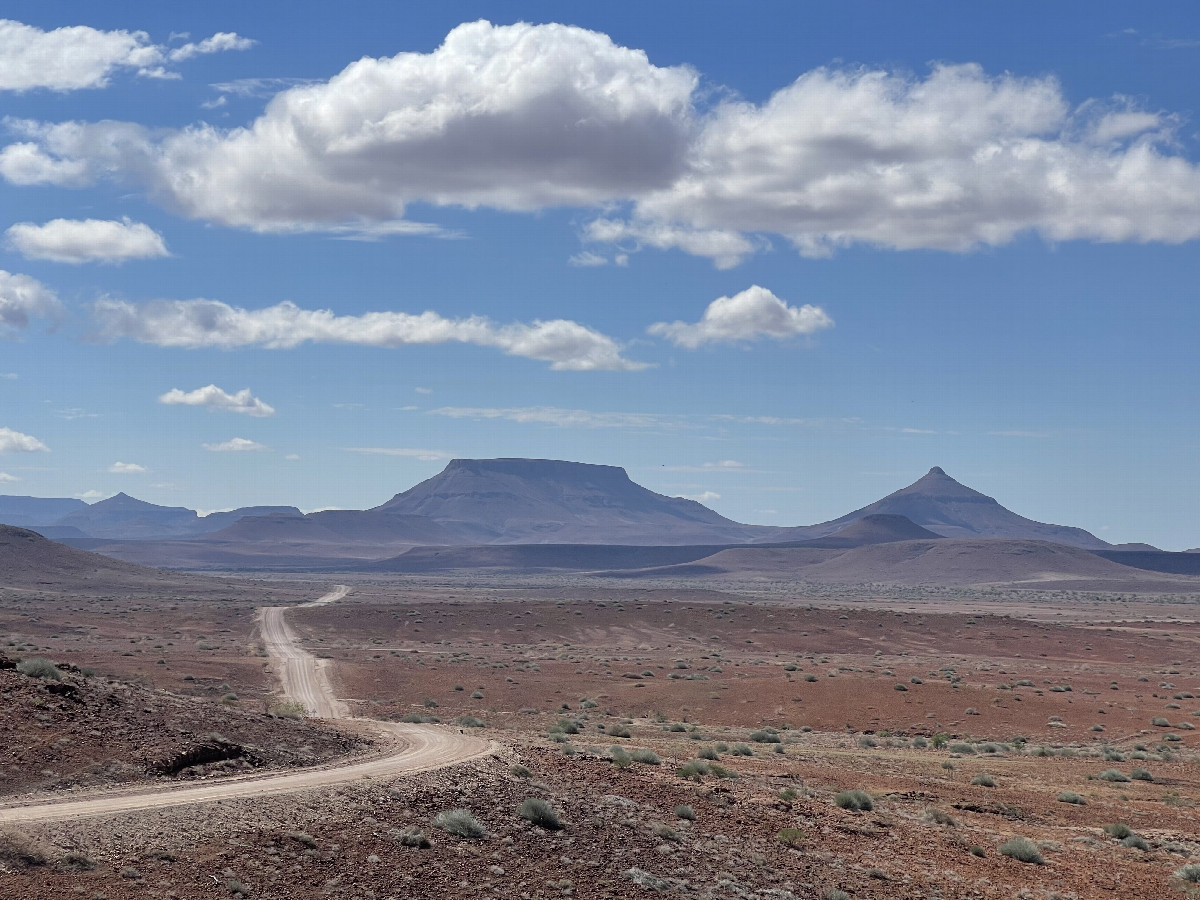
414, 748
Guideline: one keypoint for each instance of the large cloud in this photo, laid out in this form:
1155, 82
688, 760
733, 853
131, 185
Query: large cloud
525, 117
76, 57
746, 316
951, 162
566, 345
23, 298
16, 442
515, 117
86, 240
213, 397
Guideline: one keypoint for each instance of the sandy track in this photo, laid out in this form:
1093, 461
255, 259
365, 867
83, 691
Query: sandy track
415, 748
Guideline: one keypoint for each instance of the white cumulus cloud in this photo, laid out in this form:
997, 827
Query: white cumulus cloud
212, 397
514, 117
746, 316
525, 117
86, 240
23, 298
77, 57
566, 345
124, 468
16, 442
235, 445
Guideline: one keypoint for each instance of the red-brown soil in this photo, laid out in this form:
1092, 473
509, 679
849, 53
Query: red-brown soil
740, 665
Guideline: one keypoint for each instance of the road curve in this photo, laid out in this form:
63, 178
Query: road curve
414, 748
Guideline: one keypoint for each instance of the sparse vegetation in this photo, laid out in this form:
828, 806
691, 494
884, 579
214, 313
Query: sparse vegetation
1071, 797
1023, 850
540, 812
460, 823
855, 800
39, 667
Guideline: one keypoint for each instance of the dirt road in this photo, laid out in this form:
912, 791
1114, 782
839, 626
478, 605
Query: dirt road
414, 748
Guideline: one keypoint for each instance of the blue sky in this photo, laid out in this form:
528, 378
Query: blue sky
779, 257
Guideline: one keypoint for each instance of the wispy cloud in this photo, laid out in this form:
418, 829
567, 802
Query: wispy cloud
5, 478
124, 468
426, 455
78, 57
563, 418
236, 445
566, 345
1019, 434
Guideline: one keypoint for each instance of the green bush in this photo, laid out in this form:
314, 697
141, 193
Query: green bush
1189, 873
619, 731
649, 757
1136, 841
540, 813
287, 709
1141, 775
1071, 797
765, 736
1113, 775
683, 811
39, 667
1023, 850
519, 771
790, 836
983, 779
460, 823
619, 757
708, 753
856, 801
471, 722
1118, 830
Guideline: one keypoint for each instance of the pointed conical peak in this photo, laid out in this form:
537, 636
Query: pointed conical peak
936, 483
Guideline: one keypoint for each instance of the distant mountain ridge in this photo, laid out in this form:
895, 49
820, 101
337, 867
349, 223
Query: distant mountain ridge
949, 508
514, 501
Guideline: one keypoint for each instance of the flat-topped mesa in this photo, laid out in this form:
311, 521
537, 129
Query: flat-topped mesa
556, 501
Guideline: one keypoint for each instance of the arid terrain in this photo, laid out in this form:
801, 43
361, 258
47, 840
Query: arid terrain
690, 742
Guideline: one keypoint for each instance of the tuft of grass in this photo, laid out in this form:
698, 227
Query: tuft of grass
1136, 841
790, 836
287, 709
694, 770
471, 722
17, 850
649, 757
301, 837
1189, 873
74, 861
665, 832
1113, 775
940, 817
540, 813
39, 667
519, 771
1023, 850
412, 836
765, 736
683, 811
983, 779
856, 801
1141, 775
1071, 797
1118, 830
460, 823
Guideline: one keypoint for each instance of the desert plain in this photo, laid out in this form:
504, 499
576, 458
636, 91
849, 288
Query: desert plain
742, 739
